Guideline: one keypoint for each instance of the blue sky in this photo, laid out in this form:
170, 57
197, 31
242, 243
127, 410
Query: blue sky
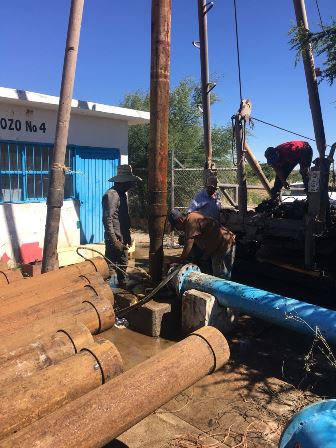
114, 56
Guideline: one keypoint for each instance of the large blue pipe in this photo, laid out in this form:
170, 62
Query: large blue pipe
290, 313
313, 427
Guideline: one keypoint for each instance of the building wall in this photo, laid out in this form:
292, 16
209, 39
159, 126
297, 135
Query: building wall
39, 124
22, 230
22, 225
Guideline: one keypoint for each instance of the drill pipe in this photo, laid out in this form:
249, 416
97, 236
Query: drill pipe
9, 276
60, 278
284, 311
96, 314
15, 301
158, 133
19, 318
44, 352
96, 418
25, 401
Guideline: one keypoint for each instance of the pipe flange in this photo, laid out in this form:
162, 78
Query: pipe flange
179, 278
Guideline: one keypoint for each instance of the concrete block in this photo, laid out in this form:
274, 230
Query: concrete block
147, 319
200, 309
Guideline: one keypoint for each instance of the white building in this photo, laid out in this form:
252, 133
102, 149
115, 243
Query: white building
97, 143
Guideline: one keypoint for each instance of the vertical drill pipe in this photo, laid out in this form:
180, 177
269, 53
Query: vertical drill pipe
203, 40
98, 417
241, 172
158, 148
44, 352
254, 164
57, 170
315, 108
12, 318
284, 311
10, 303
25, 401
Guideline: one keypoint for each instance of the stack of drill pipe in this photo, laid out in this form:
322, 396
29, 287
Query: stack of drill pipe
96, 313
26, 400
18, 314
67, 278
96, 418
8, 276
12, 302
45, 351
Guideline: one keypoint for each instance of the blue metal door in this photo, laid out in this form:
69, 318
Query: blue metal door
93, 167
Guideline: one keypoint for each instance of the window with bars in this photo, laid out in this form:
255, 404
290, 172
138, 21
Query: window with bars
24, 172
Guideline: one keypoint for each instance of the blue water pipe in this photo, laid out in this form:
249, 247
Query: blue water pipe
313, 427
290, 313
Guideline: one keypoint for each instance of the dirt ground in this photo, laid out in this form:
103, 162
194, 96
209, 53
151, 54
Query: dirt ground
271, 375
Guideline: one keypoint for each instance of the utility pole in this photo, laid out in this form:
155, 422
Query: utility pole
203, 9
317, 203
57, 170
158, 146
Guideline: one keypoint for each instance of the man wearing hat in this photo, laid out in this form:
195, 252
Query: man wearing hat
116, 220
207, 201
284, 158
216, 241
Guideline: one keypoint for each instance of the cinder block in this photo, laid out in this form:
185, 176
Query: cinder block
200, 309
146, 319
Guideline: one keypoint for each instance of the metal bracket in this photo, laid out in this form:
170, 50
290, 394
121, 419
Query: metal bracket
208, 7
210, 86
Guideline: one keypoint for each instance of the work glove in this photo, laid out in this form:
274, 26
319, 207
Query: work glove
118, 246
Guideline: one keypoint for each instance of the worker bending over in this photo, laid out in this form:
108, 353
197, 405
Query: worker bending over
284, 158
215, 240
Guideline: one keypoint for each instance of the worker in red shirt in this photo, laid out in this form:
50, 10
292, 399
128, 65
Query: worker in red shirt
284, 158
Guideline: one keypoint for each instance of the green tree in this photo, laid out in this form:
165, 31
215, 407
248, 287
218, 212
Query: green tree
185, 127
322, 42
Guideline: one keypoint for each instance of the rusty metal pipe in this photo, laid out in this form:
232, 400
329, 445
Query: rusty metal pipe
254, 164
203, 6
46, 351
96, 418
241, 172
32, 296
158, 145
96, 314
57, 169
8, 276
25, 401
66, 275
19, 314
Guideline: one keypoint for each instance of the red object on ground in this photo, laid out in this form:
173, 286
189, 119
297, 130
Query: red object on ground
30, 252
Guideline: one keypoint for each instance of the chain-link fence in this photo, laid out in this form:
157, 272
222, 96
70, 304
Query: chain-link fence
183, 184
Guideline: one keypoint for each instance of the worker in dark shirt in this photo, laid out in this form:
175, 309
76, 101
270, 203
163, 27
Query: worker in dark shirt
116, 220
216, 241
284, 158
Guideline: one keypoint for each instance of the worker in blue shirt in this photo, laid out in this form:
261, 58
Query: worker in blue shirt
207, 201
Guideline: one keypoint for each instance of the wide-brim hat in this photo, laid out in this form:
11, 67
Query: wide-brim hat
125, 174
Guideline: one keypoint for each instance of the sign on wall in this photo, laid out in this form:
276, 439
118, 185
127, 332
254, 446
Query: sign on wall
27, 124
